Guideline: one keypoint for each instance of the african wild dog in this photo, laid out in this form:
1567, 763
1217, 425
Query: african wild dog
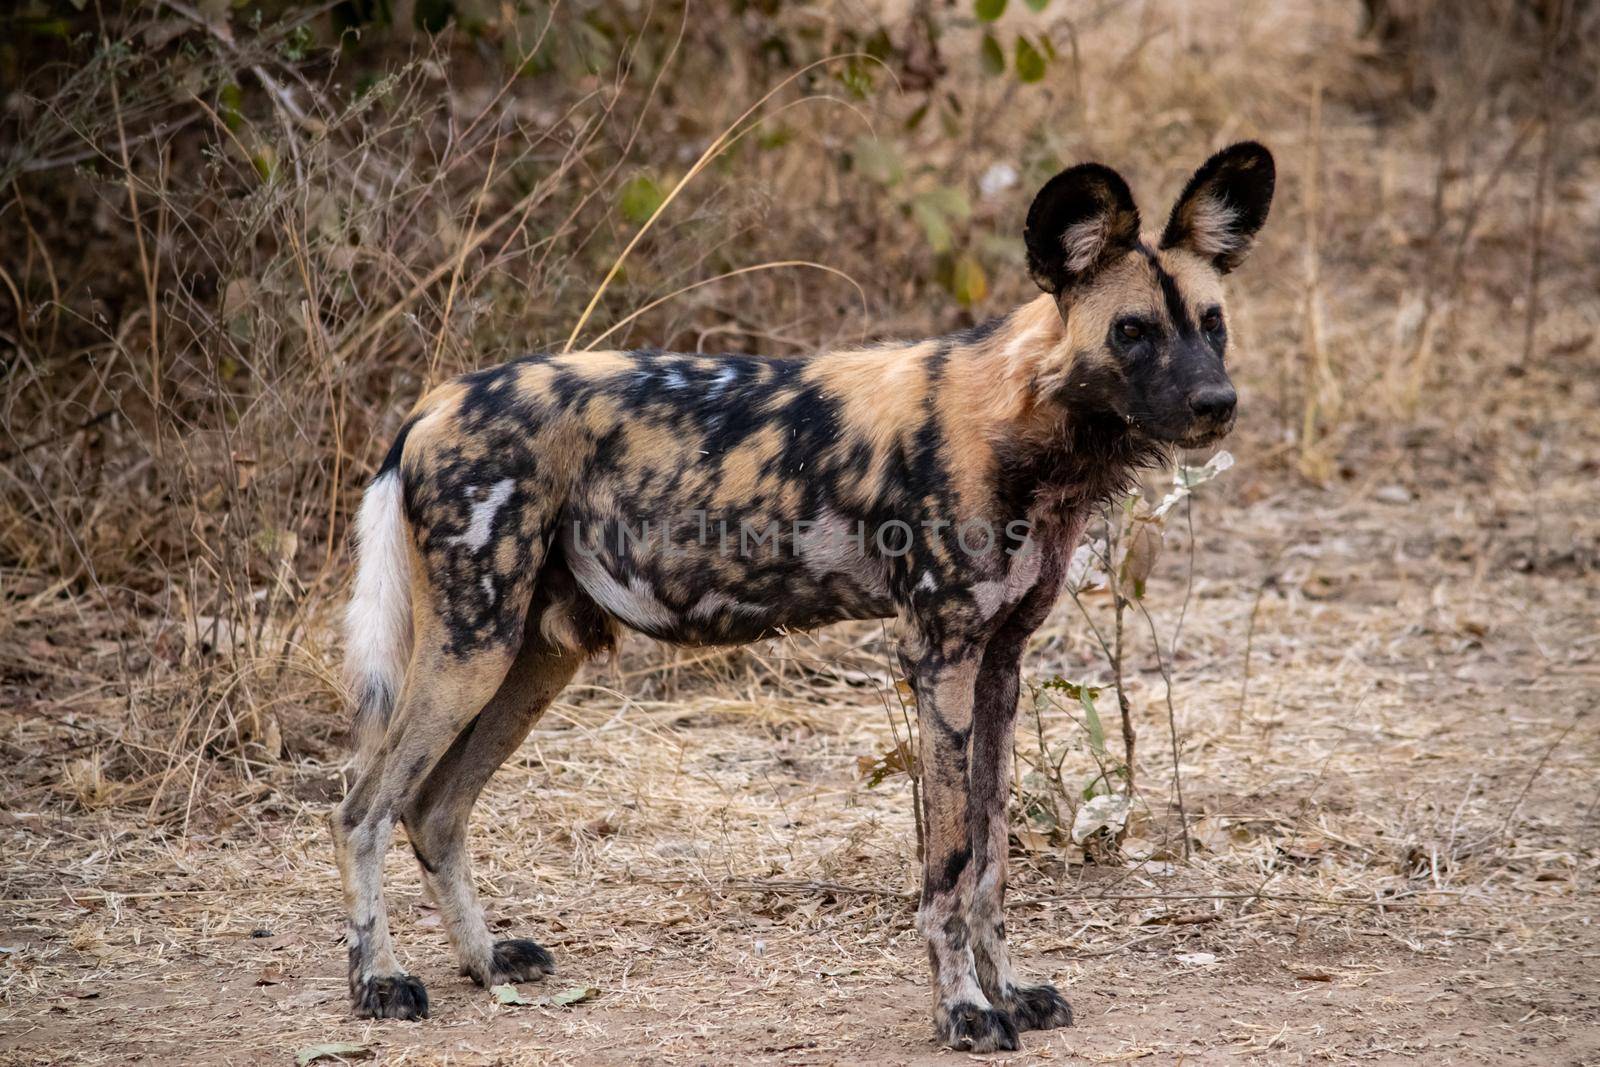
529, 511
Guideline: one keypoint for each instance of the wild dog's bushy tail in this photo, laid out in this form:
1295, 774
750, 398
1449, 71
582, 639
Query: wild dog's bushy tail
378, 619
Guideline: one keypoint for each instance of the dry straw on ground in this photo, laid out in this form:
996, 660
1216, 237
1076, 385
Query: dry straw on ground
1384, 687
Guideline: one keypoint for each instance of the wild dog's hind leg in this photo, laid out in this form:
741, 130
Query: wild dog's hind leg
943, 673
437, 816
1035, 1007
442, 693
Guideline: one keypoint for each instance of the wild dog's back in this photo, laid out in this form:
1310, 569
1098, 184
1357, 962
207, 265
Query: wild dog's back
698, 499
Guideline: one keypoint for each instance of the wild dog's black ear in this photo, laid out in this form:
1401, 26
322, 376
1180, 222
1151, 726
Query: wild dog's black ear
1081, 219
1223, 205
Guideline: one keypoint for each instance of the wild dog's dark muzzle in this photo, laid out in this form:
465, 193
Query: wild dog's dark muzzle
1214, 405
1210, 410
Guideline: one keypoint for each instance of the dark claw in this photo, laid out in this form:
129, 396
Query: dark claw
1039, 1007
391, 996
969, 1028
518, 960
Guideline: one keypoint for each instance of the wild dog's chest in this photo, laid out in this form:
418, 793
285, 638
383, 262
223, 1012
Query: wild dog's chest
995, 587
1032, 572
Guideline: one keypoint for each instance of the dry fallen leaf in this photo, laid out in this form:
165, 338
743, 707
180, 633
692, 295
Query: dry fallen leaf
1196, 959
601, 826
1144, 548
1138, 848
1029, 840
331, 1050
1108, 812
508, 994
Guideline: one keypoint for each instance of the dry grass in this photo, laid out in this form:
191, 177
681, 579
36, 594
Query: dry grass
1386, 664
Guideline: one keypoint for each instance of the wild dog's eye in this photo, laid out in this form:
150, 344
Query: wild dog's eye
1211, 321
1131, 330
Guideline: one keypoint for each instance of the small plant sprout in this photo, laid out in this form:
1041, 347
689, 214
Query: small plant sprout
1120, 563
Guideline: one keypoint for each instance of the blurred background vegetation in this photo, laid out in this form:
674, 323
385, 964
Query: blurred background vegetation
238, 240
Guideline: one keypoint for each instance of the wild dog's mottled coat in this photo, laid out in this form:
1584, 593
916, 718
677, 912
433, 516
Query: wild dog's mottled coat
530, 510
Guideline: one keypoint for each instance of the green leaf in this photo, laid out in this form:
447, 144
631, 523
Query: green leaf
60, 28
331, 1050
774, 135
297, 45
1038, 5
933, 224
639, 198
230, 106
878, 160
950, 121
1097, 731
989, 10
949, 200
992, 55
968, 284
1075, 690
265, 161
509, 994
1030, 64
857, 77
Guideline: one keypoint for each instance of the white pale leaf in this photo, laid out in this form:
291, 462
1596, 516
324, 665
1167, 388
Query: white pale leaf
1084, 570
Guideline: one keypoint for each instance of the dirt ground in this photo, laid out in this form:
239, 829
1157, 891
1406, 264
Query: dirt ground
1399, 820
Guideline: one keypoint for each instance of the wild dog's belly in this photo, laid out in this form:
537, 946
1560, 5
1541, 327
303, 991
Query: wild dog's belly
694, 578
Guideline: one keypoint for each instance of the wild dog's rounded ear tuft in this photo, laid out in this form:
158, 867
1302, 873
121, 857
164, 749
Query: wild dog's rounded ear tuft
1224, 204
1078, 222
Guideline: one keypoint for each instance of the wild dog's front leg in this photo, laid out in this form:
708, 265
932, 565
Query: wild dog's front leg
1032, 1007
963, 1016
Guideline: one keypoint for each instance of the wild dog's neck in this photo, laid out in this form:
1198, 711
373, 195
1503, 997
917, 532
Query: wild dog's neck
1002, 376
1010, 379
1050, 450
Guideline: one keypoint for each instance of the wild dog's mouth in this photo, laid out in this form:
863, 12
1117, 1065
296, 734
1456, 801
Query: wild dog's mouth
1205, 438
1188, 437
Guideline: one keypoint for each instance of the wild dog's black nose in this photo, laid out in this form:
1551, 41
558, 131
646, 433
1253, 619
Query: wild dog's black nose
1214, 402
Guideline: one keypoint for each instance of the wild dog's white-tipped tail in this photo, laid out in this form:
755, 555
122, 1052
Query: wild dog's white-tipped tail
378, 620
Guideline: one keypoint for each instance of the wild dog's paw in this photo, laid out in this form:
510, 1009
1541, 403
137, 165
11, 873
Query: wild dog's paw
966, 1027
1038, 1007
516, 960
390, 996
